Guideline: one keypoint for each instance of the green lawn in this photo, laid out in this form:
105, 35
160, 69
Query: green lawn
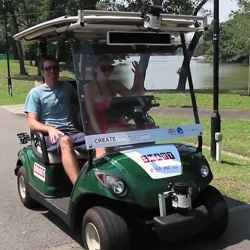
21, 84
232, 177
237, 101
236, 133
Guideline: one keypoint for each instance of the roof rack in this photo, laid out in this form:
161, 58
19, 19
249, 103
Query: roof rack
103, 21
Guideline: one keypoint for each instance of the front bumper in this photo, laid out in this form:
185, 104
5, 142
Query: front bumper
177, 226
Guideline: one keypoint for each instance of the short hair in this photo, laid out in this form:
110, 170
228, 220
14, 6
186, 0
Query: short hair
48, 58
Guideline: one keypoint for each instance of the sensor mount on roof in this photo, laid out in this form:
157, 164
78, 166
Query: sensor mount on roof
152, 19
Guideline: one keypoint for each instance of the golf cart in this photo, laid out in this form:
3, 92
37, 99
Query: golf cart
145, 182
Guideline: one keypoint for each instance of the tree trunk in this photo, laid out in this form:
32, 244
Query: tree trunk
18, 43
21, 58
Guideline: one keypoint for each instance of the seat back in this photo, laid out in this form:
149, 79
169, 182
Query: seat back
53, 156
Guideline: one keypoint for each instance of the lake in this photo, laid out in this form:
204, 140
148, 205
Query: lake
232, 76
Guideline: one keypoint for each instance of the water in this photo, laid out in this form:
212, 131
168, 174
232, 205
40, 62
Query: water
162, 74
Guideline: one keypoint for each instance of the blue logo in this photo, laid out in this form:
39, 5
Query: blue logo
180, 130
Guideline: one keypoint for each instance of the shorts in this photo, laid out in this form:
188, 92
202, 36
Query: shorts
78, 139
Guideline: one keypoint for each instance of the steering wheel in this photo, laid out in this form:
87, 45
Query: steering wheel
132, 107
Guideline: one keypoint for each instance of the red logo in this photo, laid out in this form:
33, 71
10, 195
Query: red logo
157, 157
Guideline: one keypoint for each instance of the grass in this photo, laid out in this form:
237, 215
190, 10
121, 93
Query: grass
235, 101
232, 177
21, 84
236, 133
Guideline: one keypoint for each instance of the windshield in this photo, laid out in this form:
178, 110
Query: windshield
116, 92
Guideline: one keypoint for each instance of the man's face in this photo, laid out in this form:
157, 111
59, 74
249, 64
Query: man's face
50, 72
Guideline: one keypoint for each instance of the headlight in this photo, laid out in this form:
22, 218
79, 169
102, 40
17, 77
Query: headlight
118, 187
204, 171
115, 184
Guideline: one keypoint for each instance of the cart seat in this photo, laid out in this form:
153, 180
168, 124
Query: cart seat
51, 155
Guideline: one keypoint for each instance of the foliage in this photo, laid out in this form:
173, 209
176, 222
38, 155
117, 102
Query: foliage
235, 36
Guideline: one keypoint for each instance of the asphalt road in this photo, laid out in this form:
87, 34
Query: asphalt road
25, 229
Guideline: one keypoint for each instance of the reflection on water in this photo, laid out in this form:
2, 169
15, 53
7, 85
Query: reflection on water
162, 73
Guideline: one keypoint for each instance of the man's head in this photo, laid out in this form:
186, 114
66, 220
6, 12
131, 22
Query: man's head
50, 69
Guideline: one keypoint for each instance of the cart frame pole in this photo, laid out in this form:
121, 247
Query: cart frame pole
215, 118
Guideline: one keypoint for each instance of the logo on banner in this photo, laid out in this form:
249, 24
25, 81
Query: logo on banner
157, 157
157, 161
39, 171
179, 130
172, 131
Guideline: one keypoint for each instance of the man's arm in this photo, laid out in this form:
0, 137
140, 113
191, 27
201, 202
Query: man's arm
35, 124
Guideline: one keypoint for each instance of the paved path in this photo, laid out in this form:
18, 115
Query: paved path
186, 112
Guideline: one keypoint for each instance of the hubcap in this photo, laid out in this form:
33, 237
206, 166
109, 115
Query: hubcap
22, 188
92, 237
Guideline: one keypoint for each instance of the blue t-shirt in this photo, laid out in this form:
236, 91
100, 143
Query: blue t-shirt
55, 107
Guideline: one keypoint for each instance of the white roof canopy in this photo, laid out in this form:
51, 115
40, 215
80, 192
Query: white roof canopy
99, 22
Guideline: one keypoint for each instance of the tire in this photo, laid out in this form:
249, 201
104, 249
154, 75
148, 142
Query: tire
108, 229
23, 190
217, 213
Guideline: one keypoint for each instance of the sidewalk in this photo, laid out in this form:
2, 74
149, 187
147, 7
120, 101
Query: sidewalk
185, 112
15, 109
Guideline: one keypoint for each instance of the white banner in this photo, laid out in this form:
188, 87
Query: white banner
141, 136
157, 161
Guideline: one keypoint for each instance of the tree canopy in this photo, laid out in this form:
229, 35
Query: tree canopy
235, 36
22, 14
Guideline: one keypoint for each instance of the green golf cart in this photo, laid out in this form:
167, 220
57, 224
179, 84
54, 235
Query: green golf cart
148, 180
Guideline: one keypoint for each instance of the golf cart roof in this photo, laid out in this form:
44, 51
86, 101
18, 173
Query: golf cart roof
91, 23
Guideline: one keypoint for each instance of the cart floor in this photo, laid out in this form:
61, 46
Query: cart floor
61, 204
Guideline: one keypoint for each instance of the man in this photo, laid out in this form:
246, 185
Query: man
50, 109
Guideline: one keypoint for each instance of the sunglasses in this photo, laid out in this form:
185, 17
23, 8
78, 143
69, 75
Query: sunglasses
51, 67
106, 68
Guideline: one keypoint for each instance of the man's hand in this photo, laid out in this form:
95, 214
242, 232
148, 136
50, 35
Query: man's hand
54, 134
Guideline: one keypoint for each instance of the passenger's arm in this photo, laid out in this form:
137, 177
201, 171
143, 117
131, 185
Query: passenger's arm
35, 124
138, 84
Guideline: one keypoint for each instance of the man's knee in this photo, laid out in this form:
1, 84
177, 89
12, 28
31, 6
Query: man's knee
65, 143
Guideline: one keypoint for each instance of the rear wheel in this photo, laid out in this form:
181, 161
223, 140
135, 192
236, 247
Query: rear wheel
23, 189
217, 212
102, 229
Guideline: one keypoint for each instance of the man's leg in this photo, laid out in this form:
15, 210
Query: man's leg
69, 159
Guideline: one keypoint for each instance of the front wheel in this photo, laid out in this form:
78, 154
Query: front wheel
23, 191
217, 212
102, 229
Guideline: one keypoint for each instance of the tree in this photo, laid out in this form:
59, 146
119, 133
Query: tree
9, 9
235, 36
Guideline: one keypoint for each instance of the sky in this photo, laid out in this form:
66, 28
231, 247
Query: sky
226, 6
